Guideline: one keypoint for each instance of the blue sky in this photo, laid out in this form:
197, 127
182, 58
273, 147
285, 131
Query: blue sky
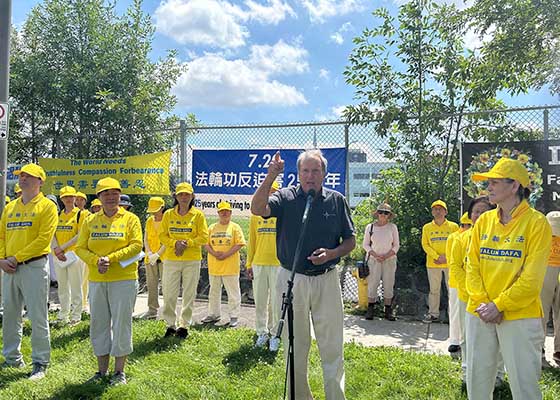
256, 61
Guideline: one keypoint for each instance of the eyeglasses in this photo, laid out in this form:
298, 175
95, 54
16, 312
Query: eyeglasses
384, 212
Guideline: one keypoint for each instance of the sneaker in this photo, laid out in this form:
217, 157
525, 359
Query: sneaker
262, 340
428, 319
210, 319
556, 357
170, 332
454, 348
17, 364
182, 333
233, 322
146, 315
274, 344
97, 378
118, 378
39, 371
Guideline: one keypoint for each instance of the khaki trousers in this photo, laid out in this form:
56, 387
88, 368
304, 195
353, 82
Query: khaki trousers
550, 297
69, 290
455, 330
175, 272
381, 271
319, 297
267, 310
153, 274
85, 283
434, 278
519, 342
231, 283
111, 306
29, 285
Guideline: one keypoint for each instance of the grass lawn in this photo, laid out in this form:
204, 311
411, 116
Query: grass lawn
223, 364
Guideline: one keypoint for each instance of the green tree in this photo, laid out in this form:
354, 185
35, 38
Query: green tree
82, 83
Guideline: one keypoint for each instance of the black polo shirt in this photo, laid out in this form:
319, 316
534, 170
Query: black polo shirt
329, 223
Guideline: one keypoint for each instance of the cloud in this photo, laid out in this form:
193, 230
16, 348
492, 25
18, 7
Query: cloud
216, 23
214, 81
338, 36
474, 41
320, 10
324, 74
334, 113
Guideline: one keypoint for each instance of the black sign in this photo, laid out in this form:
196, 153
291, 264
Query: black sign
540, 157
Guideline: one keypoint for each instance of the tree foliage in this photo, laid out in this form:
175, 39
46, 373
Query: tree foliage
83, 86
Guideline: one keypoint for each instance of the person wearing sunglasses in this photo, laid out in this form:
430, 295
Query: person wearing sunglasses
381, 243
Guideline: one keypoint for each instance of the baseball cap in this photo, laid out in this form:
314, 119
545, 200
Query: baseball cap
17, 189
184, 187
106, 184
224, 205
67, 191
82, 195
505, 168
34, 170
95, 202
465, 219
155, 204
440, 203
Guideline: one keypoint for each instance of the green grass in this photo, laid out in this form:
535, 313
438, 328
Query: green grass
223, 364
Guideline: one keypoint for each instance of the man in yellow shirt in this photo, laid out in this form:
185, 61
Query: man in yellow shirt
224, 242
26, 230
434, 241
262, 268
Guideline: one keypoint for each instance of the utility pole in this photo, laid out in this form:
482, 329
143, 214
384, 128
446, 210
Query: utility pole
5, 27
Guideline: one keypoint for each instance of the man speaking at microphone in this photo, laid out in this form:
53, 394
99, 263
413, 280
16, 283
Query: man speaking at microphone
328, 237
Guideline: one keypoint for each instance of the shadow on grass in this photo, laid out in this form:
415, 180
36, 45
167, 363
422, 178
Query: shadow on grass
246, 357
210, 327
12, 376
156, 345
502, 392
81, 391
62, 339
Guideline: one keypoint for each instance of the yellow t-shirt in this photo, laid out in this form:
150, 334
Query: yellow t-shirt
507, 263
554, 257
457, 263
434, 241
262, 242
448, 251
27, 230
119, 237
153, 230
223, 238
191, 227
68, 226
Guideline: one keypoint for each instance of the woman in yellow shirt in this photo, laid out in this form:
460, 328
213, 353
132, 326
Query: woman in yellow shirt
506, 266
183, 233
109, 242
69, 276
226, 239
80, 202
154, 250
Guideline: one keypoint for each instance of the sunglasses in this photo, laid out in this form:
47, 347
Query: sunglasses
384, 212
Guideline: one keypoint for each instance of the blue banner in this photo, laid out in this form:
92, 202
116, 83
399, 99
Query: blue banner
242, 171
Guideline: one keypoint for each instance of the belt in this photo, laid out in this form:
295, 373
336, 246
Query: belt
318, 272
33, 259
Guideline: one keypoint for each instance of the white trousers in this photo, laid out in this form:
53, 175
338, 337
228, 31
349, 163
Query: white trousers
29, 285
455, 331
231, 283
175, 272
85, 283
319, 297
550, 297
111, 307
267, 310
519, 342
69, 290
434, 277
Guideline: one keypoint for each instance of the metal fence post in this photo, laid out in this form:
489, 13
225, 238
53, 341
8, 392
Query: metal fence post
183, 149
347, 145
545, 124
5, 27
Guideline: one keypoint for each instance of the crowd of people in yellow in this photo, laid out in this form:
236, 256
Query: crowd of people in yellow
501, 267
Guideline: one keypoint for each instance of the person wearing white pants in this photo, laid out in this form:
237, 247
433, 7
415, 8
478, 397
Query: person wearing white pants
550, 294
183, 233
329, 235
262, 268
506, 265
225, 239
69, 276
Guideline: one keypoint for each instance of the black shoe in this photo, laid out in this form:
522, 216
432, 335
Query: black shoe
370, 311
454, 348
170, 332
389, 314
182, 333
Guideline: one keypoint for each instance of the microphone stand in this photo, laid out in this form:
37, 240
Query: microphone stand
287, 300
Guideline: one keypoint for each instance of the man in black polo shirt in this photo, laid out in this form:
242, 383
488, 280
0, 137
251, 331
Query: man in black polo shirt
329, 236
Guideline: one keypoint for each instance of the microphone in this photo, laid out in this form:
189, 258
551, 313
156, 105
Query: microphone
310, 197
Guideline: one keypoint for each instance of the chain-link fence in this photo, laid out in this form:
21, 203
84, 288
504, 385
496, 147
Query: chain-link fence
371, 151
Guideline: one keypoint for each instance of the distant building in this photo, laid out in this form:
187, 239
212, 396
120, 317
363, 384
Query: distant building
361, 172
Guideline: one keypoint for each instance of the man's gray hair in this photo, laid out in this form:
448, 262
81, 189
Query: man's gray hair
313, 153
